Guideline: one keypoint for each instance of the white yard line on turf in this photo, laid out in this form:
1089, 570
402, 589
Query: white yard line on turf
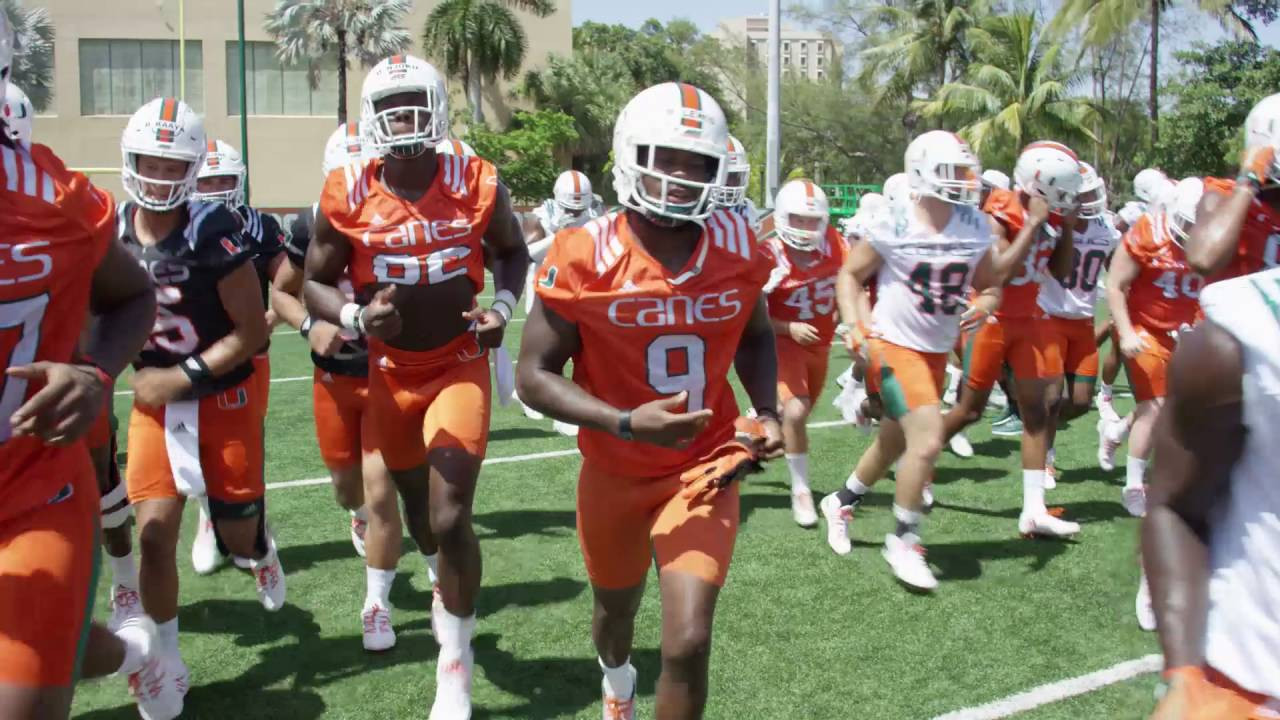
1056, 691
502, 460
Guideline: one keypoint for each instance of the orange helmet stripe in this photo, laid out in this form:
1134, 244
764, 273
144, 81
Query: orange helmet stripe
353, 130
690, 100
213, 146
397, 59
577, 181
169, 110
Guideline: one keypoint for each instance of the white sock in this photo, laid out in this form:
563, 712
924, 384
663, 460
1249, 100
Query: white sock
378, 586
619, 682
123, 570
361, 513
1135, 471
137, 646
855, 485
167, 636
1050, 457
453, 632
433, 567
1105, 391
204, 505
798, 464
1032, 492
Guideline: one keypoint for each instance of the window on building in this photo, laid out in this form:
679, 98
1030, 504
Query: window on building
786, 60
819, 60
821, 74
804, 48
118, 76
786, 48
275, 89
804, 61
818, 49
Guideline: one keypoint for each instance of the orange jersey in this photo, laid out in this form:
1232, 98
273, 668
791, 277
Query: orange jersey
647, 333
1166, 293
56, 227
1022, 293
803, 292
430, 241
1259, 245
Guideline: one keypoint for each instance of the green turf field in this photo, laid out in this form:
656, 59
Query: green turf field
800, 632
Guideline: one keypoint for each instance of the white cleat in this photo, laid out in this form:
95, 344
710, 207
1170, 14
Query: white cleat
1050, 477
1134, 499
838, 519
997, 398
453, 688
268, 577
1106, 447
531, 413
802, 509
205, 557
1142, 605
960, 445
378, 635
845, 377
160, 687
564, 428
242, 563
926, 497
125, 604
1046, 525
616, 708
906, 557
1105, 408
358, 529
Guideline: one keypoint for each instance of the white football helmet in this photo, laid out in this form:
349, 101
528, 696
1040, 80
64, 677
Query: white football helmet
940, 164
995, 179
801, 198
1148, 184
871, 203
17, 114
166, 128
454, 146
1093, 193
1262, 127
677, 116
737, 176
897, 190
404, 74
1180, 208
220, 159
346, 145
1049, 170
572, 191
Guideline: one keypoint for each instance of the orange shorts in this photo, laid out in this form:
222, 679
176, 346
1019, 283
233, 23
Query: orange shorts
262, 378
49, 567
908, 379
231, 453
1149, 371
419, 401
1075, 341
1213, 696
627, 522
802, 369
339, 402
1022, 343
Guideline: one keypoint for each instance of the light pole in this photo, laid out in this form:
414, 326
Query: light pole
772, 127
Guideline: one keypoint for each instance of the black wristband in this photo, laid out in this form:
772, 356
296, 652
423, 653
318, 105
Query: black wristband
305, 328
624, 426
196, 368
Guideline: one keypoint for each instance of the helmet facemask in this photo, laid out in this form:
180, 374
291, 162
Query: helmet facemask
418, 109
173, 192
650, 167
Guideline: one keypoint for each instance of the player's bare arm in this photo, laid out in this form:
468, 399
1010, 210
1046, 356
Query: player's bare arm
549, 341
242, 300
532, 229
327, 258
1201, 438
1215, 236
124, 304
988, 285
860, 263
1011, 255
504, 244
756, 363
1062, 261
286, 299
1124, 271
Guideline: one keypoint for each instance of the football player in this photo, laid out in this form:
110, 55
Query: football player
414, 229
1210, 535
807, 254
17, 114
1153, 294
58, 262
196, 426
734, 193
654, 303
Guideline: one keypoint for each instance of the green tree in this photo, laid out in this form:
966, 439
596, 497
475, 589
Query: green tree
33, 56
1016, 90
525, 153
1200, 135
478, 40
316, 31
917, 46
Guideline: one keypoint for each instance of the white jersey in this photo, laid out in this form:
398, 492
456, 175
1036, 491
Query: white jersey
749, 212
1243, 630
923, 283
1077, 297
553, 218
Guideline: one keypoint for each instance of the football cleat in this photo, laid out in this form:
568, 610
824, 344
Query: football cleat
1107, 445
906, 557
838, 518
358, 529
1134, 499
1046, 525
960, 445
1142, 605
616, 708
453, 688
125, 604
268, 577
802, 509
205, 556
378, 635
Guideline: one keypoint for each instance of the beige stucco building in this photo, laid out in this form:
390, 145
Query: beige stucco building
112, 55
806, 54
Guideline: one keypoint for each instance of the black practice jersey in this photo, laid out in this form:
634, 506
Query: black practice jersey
186, 268
264, 239
352, 359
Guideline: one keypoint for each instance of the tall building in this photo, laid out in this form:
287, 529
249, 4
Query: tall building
110, 57
808, 54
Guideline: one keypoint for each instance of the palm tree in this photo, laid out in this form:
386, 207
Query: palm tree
311, 31
920, 45
33, 59
1016, 90
1104, 20
477, 40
